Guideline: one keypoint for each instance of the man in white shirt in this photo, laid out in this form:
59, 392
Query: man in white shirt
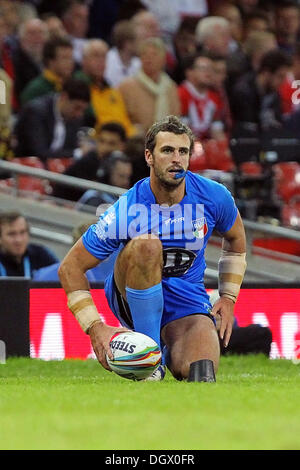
121, 60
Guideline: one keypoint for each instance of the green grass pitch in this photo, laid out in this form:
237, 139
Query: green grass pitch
70, 404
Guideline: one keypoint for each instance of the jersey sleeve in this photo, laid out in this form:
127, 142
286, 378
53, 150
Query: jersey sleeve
102, 239
226, 210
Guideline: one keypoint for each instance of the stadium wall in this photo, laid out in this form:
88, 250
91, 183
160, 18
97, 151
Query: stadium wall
35, 320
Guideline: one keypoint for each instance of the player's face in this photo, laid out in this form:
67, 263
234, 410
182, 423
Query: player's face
14, 237
170, 155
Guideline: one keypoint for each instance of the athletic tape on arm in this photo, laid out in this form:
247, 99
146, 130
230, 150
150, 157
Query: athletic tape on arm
82, 306
232, 268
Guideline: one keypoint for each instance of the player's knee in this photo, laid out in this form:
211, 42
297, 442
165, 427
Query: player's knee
146, 250
180, 369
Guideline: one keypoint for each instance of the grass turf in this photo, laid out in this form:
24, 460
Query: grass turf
78, 405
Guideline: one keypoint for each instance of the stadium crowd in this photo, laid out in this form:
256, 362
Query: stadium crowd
84, 79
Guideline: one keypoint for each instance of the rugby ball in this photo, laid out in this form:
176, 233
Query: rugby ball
136, 356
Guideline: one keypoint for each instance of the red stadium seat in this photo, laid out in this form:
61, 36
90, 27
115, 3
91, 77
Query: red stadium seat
290, 214
251, 169
198, 160
286, 180
29, 183
35, 162
58, 165
218, 155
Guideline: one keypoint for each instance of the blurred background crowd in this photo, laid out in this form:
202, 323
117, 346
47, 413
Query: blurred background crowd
84, 80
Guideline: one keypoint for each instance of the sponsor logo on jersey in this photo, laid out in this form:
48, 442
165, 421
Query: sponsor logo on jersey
200, 227
177, 261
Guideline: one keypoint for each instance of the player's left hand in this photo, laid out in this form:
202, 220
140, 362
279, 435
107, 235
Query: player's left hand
224, 308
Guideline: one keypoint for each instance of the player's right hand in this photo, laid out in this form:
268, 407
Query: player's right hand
100, 335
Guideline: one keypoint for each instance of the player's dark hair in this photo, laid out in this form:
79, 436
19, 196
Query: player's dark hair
10, 217
77, 89
274, 60
169, 124
116, 128
51, 46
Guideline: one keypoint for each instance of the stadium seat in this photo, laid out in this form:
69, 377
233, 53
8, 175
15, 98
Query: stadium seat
29, 183
58, 165
218, 155
290, 214
198, 160
251, 169
35, 162
286, 181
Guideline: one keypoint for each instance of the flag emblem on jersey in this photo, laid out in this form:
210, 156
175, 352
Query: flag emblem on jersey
200, 227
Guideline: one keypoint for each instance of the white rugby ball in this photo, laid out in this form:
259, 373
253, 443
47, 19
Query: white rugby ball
136, 356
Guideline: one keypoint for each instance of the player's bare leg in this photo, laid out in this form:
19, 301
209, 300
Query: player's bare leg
139, 265
190, 339
138, 275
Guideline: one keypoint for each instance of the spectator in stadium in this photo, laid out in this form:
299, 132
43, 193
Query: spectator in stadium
58, 67
247, 6
232, 14
151, 87
183, 45
257, 44
28, 55
97, 274
6, 119
6, 56
167, 16
47, 127
111, 136
135, 149
146, 25
9, 11
213, 35
5, 105
260, 91
75, 19
55, 26
122, 61
255, 21
117, 169
200, 105
287, 24
107, 103
219, 78
19, 257
289, 90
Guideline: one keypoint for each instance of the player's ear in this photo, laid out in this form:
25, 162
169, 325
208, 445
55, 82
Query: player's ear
148, 157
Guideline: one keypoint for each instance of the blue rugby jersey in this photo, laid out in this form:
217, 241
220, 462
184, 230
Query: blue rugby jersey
183, 229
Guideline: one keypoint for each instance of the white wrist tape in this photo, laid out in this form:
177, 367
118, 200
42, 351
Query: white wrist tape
82, 306
232, 268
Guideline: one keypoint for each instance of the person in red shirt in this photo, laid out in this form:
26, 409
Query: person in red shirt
201, 106
289, 89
